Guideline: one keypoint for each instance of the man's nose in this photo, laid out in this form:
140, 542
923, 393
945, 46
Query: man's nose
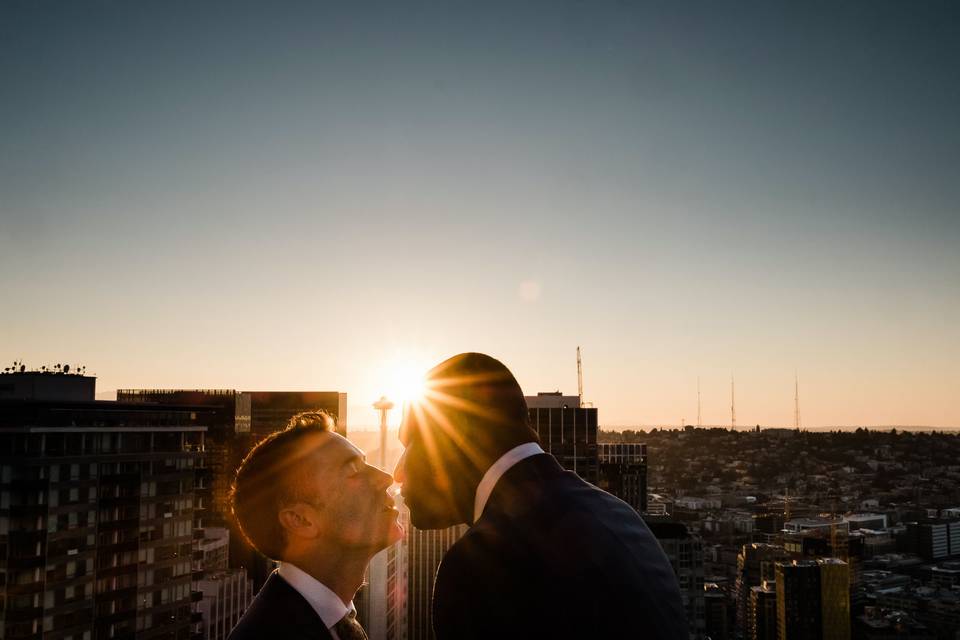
399, 473
383, 479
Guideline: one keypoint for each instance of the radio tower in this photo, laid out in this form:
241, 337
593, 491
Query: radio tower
796, 401
733, 407
698, 402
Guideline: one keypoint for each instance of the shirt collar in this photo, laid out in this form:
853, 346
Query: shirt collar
496, 471
325, 602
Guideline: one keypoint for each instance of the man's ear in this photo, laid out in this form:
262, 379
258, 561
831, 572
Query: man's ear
299, 520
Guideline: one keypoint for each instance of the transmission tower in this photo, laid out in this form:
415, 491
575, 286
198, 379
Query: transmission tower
796, 401
698, 402
733, 407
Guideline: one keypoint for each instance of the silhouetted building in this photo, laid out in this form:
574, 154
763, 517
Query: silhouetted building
96, 518
685, 552
835, 598
567, 431
424, 550
271, 410
227, 441
934, 539
762, 612
47, 385
226, 593
718, 613
755, 565
623, 472
798, 601
813, 599
882, 624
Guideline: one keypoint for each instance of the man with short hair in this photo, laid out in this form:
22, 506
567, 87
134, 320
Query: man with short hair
306, 497
548, 555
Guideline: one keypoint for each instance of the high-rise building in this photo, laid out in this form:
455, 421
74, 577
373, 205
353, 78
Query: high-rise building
227, 440
813, 599
271, 410
226, 595
423, 550
226, 592
623, 472
798, 600
835, 598
755, 564
934, 539
762, 612
396, 591
685, 552
567, 431
96, 514
718, 613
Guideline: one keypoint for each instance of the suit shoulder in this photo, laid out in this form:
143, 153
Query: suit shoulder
280, 612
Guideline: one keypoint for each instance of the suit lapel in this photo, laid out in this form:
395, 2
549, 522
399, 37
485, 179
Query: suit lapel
294, 610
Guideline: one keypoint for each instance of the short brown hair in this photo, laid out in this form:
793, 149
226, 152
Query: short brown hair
273, 475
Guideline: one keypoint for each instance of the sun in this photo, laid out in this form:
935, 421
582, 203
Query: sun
403, 380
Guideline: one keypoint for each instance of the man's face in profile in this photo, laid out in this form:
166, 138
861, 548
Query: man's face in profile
424, 472
354, 509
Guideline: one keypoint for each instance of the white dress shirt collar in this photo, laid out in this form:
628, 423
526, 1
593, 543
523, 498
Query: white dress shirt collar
325, 602
496, 471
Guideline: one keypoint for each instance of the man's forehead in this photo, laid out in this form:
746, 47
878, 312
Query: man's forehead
331, 446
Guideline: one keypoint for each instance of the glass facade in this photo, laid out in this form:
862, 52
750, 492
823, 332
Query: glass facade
96, 520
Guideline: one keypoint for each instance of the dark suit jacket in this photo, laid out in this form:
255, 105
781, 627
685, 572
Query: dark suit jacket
279, 612
554, 557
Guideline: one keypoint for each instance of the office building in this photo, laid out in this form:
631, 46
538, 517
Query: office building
567, 431
813, 599
423, 551
226, 593
835, 598
762, 612
685, 552
623, 472
934, 539
755, 565
798, 600
271, 410
226, 442
96, 514
718, 613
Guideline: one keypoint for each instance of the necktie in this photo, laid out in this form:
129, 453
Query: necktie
349, 629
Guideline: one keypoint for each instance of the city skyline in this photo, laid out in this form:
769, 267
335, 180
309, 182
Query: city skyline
303, 196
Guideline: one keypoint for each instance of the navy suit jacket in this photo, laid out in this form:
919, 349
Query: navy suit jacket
279, 612
555, 557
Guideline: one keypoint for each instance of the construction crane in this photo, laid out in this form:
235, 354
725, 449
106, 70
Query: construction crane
579, 377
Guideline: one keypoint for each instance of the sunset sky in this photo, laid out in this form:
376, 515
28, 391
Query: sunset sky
309, 195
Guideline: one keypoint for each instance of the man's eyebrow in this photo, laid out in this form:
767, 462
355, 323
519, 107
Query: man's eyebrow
353, 458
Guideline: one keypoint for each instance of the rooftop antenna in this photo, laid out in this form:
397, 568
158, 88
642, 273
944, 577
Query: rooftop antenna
733, 407
579, 377
698, 402
796, 401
